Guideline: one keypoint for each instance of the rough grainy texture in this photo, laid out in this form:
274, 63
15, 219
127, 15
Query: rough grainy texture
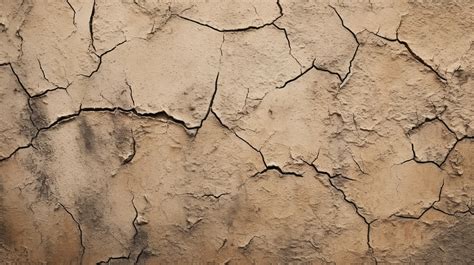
236, 132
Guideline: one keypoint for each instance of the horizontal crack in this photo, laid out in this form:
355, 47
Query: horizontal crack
235, 29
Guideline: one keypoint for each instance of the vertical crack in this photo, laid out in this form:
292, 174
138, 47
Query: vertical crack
134, 221
91, 28
209, 109
132, 154
130, 92
81, 235
344, 79
73, 13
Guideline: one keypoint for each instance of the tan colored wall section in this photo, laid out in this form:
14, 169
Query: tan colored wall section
236, 132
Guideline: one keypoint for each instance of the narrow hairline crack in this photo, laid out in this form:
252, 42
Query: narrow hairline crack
81, 234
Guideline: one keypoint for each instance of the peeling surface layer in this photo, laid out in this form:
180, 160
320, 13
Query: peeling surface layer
236, 132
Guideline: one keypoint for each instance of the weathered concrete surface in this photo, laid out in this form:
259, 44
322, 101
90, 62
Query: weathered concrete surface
236, 132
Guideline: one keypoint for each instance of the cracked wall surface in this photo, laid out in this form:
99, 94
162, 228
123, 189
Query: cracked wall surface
236, 132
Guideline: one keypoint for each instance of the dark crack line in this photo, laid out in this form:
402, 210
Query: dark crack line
211, 102
142, 251
328, 71
425, 210
159, 115
134, 151
30, 114
456, 213
236, 29
81, 234
306, 71
73, 13
30, 96
267, 167
100, 59
296, 77
114, 258
211, 195
91, 28
412, 53
134, 221
454, 146
43, 73
51, 90
354, 205
344, 79
418, 126
289, 45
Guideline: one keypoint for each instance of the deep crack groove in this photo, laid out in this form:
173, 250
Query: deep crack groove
91, 27
432, 206
236, 29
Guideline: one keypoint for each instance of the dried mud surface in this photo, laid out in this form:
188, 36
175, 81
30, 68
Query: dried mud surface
236, 132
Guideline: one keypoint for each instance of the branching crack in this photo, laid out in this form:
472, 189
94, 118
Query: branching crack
289, 46
159, 115
132, 154
432, 206
235, 29
356, 208
100, 59
267, 167
344, 79
210, 105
